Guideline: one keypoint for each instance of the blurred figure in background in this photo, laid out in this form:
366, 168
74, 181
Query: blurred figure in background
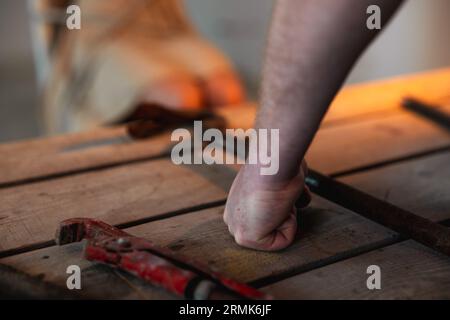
126, 52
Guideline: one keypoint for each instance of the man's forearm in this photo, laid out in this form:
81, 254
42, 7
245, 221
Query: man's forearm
312, 46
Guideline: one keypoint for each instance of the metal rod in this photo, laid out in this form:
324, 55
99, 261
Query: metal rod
430, 112
407, 224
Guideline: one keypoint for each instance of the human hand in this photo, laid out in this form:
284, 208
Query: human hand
262, 215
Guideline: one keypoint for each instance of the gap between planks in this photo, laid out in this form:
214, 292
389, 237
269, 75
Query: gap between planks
355, 169
364, 168
378, 129
409, 270
220, 202
125, 225
352, 253
270, 265
353, 103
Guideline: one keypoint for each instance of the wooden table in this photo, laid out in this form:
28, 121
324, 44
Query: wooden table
367, 140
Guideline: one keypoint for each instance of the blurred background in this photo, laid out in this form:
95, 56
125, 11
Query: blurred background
416, 40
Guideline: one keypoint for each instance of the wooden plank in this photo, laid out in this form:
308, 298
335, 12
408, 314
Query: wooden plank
421, 186
375, 140
327, 233
357, 101
29, 213
44, 207
408, 271
384, 95
97, 281
54, 144
360, 141
43, 157
104, 146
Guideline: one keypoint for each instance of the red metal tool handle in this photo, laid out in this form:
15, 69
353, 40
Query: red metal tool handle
140, 257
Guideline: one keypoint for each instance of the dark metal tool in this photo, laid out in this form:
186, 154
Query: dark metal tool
407, 224
430, 112
140, 257
149, 119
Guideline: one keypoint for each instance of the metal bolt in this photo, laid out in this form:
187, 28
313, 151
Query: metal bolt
123, 242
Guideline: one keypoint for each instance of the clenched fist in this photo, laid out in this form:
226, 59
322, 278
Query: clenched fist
262, 215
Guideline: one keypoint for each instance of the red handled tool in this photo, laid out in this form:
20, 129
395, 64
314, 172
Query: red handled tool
140, 257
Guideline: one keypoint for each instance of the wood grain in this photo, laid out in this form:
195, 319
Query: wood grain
375, 140
42, 157
97, 281
29, 210
361, 101
408, 271
153, 189
327, 234
29, 213
421, 186
361, 140
327, 231
35, 158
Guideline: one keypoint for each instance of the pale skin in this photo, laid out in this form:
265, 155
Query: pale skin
312, 47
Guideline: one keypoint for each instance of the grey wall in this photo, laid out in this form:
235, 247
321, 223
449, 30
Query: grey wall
14, 32
238, 27
417, 39
18, 94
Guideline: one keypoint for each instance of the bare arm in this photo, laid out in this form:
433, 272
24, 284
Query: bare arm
312, 46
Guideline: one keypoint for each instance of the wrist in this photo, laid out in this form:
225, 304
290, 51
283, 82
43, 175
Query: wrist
250, 173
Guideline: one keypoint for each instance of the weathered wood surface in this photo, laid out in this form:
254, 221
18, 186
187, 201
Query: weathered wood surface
35, 158
98, 281
360, 101
65, 154
138, 193
327, 233
409, 270
421, 186
112, 193
400, 134
342, 148
29, 213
